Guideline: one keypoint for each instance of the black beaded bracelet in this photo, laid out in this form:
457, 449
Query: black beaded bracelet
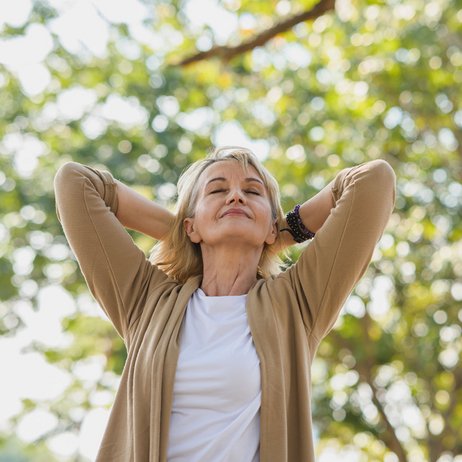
296, 227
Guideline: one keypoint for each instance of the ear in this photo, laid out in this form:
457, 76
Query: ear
190, 229
272, 234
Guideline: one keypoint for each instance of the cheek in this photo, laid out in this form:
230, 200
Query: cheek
265, 211
205, 211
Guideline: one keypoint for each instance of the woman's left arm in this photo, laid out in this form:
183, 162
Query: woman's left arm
313, 212
349, 217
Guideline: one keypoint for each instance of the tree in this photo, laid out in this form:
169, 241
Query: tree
370, 79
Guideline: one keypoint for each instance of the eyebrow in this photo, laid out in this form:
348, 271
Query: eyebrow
221, 178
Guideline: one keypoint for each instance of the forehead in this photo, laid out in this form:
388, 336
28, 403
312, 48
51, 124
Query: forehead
229, 169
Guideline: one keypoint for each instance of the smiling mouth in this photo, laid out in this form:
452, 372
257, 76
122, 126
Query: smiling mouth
235, 213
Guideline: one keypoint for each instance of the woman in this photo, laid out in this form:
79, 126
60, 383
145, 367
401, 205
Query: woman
219, 347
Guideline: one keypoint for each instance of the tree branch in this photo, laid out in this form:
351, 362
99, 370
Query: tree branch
365, 373
435, 446
226, 53
390, 438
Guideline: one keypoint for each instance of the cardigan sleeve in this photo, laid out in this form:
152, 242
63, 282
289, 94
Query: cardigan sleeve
116, 271
338, 256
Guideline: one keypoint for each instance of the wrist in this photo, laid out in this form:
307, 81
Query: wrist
295, 226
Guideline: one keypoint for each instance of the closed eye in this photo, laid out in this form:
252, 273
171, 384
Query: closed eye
248, 191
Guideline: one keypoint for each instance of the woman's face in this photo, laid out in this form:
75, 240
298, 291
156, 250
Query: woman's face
233, 206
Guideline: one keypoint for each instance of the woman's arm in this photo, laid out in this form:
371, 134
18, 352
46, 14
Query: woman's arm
335, 260
145, 216
116, 271
138, 213
313, 212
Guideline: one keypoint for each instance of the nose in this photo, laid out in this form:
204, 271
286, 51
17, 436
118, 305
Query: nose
235, 195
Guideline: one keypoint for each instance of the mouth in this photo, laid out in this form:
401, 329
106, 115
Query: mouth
235, 212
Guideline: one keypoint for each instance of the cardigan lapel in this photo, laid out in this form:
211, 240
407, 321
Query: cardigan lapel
171, 359
264, 328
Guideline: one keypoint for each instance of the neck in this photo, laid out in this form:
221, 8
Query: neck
229, 270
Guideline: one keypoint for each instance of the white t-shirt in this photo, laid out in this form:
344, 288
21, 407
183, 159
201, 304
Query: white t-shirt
217, 391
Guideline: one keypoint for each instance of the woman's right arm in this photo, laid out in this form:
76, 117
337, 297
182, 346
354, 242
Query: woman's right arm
115, 269
139, 213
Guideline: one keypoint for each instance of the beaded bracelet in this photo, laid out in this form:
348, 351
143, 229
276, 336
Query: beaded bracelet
296, 227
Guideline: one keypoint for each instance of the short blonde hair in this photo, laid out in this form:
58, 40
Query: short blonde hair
180, 258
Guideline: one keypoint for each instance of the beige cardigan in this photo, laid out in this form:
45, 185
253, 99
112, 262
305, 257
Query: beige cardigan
288, 314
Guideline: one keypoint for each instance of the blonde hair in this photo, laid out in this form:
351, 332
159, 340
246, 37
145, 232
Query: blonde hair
180, 258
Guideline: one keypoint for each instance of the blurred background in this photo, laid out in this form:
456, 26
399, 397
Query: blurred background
144, 88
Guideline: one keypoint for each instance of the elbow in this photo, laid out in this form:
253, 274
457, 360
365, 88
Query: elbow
382, 170
62, 181
380, 180
374, 182
384, 179
66, 170
66, 175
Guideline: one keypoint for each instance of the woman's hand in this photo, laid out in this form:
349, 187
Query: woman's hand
138, 213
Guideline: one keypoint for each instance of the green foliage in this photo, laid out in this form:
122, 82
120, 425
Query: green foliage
374, 79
